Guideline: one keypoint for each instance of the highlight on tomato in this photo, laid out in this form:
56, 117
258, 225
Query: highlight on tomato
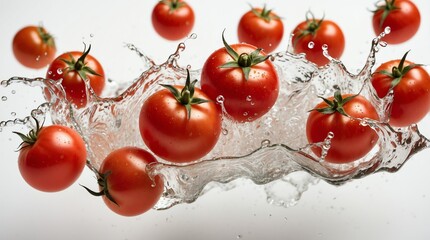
173, 19
261, 27
51, 158
311, 35
180, 123
340, 115
34, 47
246, 78
410, 84
125, 186
401, 16
73, 69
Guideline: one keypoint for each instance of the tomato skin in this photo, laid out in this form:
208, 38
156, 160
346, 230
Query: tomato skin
30, 48
404, 22
328, 33
72, 82
128, 182
255, 30
411, 101
245, 100
169, 134
55, 160
173, 24
351, 140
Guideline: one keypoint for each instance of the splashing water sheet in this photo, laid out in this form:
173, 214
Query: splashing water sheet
261, 180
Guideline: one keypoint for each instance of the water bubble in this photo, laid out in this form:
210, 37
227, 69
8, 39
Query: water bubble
49, 72
13, 114
91, 35
224, 131
324, 47
245, 114
193, 36
387, 30
249, 98
38, 58
4, 98
13, 91
265, 143
311, 45
60, 71
220, 99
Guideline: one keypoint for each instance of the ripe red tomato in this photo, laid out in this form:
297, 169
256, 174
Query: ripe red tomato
411, 87
402, 16
51, 158
172, 19
261, 28
72, 68
125, 185
351, 140
246, 79
34, 47
320, 32
180, 126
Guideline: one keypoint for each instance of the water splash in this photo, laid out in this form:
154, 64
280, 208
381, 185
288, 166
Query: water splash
271, 150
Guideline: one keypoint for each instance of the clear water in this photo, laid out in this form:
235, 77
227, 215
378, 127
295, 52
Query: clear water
272, 150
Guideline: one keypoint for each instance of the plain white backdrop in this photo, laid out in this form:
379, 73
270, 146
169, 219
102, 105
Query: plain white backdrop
382, 206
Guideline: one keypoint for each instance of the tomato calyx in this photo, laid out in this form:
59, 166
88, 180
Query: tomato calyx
397, 72
31, 137
79, 65
46, 37
173, 4
245, 60
335, 105
387, 8
102, 182
312, 27
264, 14
186, 95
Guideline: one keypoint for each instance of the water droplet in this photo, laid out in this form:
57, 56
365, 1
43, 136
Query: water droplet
220, 99
91, 35
60, 71
249, 98
193, 36
311, 45
4, 98
245, 114
239, 236
387, 30
13, 114
13, 91
224, 131
383, 44
49, 72
37, 58
265, 143
324, 47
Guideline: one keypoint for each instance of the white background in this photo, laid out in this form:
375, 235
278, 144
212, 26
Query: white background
381, 206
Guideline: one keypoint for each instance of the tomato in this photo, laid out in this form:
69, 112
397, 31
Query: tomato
245, 77
72, 68
33, 47
125, 184
172, 19
311, 35
351, 139
51, 158
261, 28
402, 16
180, 126
411, 87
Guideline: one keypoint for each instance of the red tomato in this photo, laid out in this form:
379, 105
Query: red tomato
52, 158
261, 28
411, 86
172, 19
126, 187
180, 127
34, 47
320, 32
72, 68
246, 79
402, 16
351, 140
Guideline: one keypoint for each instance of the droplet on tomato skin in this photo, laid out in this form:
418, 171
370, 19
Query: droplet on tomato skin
60, 71
387, 30
220, 99
249, 98
311, 45
38, 58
